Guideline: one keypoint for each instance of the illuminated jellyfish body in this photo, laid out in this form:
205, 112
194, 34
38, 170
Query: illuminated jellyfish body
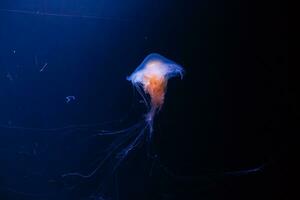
152, 76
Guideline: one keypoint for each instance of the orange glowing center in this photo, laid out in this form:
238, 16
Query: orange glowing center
155, 87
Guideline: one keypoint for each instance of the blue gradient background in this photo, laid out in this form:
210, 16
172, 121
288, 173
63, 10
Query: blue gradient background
226, 115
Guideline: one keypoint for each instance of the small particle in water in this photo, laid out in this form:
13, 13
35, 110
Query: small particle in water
70, 98
14, 51
44, 66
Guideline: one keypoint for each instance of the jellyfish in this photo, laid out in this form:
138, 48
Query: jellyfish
152, 76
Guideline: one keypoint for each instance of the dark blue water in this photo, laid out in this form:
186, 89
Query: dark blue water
64, 93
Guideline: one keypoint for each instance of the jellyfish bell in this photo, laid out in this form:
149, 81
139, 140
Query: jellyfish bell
156, 64
153, 75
